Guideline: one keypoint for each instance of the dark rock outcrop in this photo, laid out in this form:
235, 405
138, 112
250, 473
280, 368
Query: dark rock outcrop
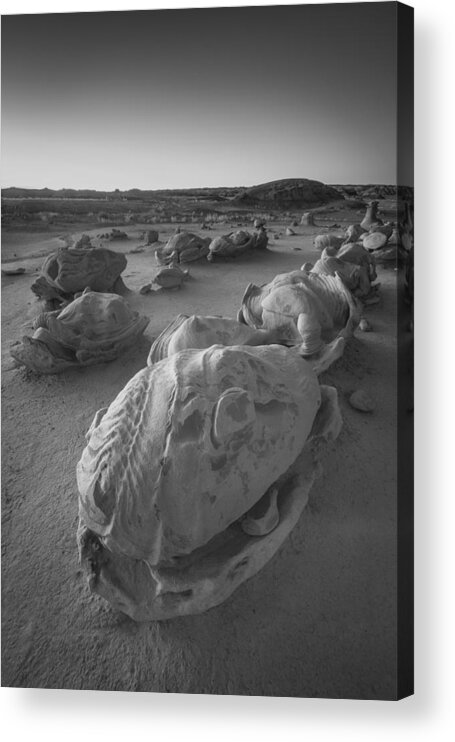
291, 192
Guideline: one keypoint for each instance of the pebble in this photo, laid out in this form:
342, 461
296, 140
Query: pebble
365, 326
362, 401
373, 300
146, 288
13, 271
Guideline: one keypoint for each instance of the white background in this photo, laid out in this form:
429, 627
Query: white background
72, 715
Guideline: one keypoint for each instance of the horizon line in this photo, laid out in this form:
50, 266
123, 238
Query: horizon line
196, 187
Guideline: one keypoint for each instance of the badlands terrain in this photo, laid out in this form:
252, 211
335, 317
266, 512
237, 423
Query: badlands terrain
320, 618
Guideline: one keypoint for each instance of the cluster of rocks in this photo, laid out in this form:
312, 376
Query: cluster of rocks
84, 241
383, 240
83, 319
117, 234
212, 389
199, 469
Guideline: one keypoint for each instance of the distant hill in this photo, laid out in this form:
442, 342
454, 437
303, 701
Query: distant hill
290, 192
133, 194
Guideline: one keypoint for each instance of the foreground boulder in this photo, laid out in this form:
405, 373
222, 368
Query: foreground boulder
195, 454
201, 332
186, 332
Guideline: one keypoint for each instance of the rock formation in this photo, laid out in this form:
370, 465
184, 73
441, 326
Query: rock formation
321, 241
95, 328
183, 247
307, 219
198, 452
71, 270
291, 193
237, 243
313, 307
371, 216
151, 236
353, 233
83, 242
201, 332
355, 277
170, 277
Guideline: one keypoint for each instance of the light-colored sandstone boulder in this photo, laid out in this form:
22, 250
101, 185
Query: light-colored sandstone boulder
183, 247
171, 482
71, 270
94, 328
314, 307
371, 216
307, 219
321, 241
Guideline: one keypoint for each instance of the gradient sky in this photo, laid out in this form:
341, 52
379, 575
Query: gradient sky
205, 97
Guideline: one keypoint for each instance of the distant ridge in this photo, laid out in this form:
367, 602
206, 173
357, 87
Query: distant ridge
292, 192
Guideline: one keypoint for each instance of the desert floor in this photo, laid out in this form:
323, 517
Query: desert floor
318, 620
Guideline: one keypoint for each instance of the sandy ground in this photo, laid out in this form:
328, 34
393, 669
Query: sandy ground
319, 620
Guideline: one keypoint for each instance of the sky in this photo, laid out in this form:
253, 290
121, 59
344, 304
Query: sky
199, 98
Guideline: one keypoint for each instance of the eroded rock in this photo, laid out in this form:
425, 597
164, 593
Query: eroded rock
307, 219
70, 270
183, 247
237, 243
151, 236
171, 277
371, 216
321, 241
94, 328
311, 306
171, 482
364, 326
362, 401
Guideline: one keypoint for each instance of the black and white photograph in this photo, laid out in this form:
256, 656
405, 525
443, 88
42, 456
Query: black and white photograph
208, 350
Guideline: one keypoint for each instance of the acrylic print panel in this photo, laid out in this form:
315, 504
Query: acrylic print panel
207, 242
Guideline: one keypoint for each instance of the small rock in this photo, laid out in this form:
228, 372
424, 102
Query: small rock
365, 326
13, 271
146, 288
372, 300
10, 365
361, 401
151, 236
